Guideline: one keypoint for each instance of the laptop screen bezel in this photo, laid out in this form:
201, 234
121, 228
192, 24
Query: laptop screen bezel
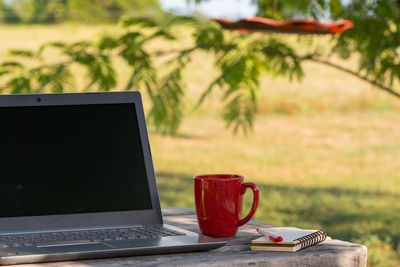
88, 220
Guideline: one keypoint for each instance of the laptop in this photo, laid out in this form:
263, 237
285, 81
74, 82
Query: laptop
77, 181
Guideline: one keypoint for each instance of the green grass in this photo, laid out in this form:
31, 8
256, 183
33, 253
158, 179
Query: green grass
325, 151
331, 171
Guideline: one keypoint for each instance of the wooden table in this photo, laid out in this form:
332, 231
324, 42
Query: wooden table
237, 251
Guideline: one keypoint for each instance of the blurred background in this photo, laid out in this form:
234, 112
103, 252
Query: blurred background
322, 141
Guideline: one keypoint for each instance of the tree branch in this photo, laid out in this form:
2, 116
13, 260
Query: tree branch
310, 58
330, 64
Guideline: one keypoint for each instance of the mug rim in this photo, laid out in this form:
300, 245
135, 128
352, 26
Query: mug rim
218, 177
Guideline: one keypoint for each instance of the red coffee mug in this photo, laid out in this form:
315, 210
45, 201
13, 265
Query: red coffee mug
218, 199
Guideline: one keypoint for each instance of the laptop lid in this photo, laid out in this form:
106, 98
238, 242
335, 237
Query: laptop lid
78, 160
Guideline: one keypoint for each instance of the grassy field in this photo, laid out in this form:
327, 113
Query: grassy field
325, 151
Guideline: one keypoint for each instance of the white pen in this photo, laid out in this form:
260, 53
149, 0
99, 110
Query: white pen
272, 236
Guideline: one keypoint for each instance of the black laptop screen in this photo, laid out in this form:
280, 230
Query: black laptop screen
71, 159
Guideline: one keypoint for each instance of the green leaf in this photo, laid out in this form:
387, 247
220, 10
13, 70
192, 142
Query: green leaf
209, 37
19, 85
217, 81
138, 21
130, 37
43, 47
162, 33
240, 112
20, 52
51, 76
2, 72
12, 64
336, 7
166, 111
108, 43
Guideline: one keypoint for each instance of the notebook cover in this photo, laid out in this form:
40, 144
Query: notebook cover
293, 239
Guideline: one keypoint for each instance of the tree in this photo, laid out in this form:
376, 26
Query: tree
242, 58
7, 14
37, 11
109, 10
242, 61
48, 11
375, 37
55, 11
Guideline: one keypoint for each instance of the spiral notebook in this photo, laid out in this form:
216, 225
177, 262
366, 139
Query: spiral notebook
294, 239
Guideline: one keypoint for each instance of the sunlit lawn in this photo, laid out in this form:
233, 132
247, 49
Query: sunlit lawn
335, 172
325, 152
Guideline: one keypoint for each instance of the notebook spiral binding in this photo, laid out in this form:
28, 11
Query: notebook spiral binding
311, 239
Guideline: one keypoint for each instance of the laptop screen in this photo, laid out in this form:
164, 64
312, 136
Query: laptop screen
71, 159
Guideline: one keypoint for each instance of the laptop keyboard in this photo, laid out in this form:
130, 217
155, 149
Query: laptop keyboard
48, 238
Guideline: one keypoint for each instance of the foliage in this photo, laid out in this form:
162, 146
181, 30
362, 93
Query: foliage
108, 10
375, 38
8, 14
242, 60
54, 11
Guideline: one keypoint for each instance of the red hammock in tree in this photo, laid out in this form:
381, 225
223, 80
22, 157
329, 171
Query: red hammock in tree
304, 26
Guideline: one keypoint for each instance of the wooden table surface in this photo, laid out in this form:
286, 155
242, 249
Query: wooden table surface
237, 251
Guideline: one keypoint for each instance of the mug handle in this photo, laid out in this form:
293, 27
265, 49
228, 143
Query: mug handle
243, 188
